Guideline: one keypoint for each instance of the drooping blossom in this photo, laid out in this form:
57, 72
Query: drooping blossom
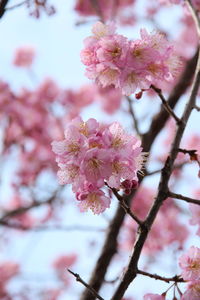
91, 154
24, 56
111, 59
190, 264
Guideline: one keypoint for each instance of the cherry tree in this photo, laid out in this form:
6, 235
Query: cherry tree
105, 172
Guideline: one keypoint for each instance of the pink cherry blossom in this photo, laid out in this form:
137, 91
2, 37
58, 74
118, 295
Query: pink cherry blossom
61, 264
24, 56
92, 154
94, 200
112, 59
192, 292
190, 264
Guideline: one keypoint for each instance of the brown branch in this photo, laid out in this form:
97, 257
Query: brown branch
126, 207
132, 113
3, 4
185, 151
158, 277
176, 167
16, 5
165, 103
197, 108
110, 245
91, 290
184, 198
131, 271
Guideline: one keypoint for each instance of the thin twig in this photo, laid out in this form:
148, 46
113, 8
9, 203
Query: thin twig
165, 103
16, 5
132, 113
184, 198
176, 167
16, 226
126, 207
197, 107
158, 277
185, 151
78, 278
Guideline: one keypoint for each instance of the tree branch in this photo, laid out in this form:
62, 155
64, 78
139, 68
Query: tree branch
16, 5
158, 277
126, 207
3, 4
197, 108
184, 198
165, 103
176, 167
135, 121
92, 291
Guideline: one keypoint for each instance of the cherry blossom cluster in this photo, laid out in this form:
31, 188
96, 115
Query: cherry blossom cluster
112, 59
190, 265
24, 56
92, 154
